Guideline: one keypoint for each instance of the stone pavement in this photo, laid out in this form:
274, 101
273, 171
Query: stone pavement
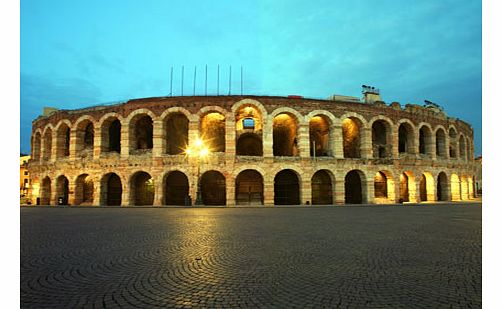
310, 257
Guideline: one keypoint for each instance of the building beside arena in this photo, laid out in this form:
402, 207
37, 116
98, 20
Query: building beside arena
240, 150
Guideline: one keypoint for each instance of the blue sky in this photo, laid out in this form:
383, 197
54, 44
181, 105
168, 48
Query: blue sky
81, 53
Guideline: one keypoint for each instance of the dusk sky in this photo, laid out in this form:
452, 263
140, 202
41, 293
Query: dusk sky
76, 53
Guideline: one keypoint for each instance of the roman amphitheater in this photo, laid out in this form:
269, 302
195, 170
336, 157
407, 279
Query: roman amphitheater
251, 150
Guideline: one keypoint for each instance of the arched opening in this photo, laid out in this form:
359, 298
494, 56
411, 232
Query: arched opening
176, 189
319, 136
47, 146
423, 188
464, 188
440, 143
176, 133
442, 187
37, 142
85, 139
286, 188
63, 141
248, 126
249, 188
322, 188
404, 188
353, 187
381, 139
380, 185
453, 143
424, 140
461, 145
141, 134
405, 138
351, 128
285, 141
455, 187
213, 188
111, 190
84, 190
142, 189
212, 127
62, 190
249, 144
45, 191
110, 135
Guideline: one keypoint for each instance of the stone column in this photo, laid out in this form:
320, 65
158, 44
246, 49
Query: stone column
125, 193
339, 193
230, 149
431, 191
337, 142
73, 144
54, 193
414, 189
366, 143
71, 192
447, 146
306, 191
124, 143
54, 147
193, 129
432, 146
158, 139
230, 190
96, 197
97, 143
369, 187
395, 142
303, 140
268, 140
268, 191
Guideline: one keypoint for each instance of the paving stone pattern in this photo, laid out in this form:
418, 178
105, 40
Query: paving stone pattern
315, 257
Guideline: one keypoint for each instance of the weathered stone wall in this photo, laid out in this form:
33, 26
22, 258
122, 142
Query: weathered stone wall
47, 163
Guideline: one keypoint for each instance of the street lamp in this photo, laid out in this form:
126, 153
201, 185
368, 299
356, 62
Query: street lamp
198, 151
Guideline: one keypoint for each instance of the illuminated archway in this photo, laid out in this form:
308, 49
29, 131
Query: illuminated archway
84, 190
111, 190
249, 188
351, 131
142, 189
322, 188
212, 128
319, 136
285, 140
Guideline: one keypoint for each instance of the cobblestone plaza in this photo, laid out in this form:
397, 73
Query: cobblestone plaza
426, 256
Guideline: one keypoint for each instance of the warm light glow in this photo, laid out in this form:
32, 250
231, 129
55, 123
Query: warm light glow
203, 152
198, 149
188, 151
198, 142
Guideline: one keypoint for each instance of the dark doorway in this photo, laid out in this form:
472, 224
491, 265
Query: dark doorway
175, 188
404, 193
176, 130
322, 189
213, 188
286, 188
114, 136
423, 188
62, 190
249, 188
353, 188
442, 186
113, 190
380, 185
45, 194
249, 144
142, 189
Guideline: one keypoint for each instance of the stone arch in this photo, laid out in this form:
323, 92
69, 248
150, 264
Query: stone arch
441, 146
453, 138
285, 129
352, 134
212, 127
425, 144
175, 128
47, 143
321, 135
237, 105
63, 132
462, 147
426, 187
407, 187
249, 127
141, 189
45, 191
111, 189
85, 130
455, 187
442, 187
322, 183
383, 184
406, 136
84, 190
287, 187
249, 187
140, 127
381, 136
213, 188
288, 110
111, 130
355, 187
211, 109
176, 188
36, 145
62, 190
249, 144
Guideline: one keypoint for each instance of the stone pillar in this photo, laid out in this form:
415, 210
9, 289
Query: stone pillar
230, 149
268, 191
432, 146
391, 190
339, 192
268, 140
414, 189
54, 193
97, 142
96, 197
193, 129
395, 142
158, 139
366, 144
447, 146
73, 144
230, 190
54, 147
416, 142
337, 142
303, 140
125, 193
124, 143
369, 187
71, 192
306, 191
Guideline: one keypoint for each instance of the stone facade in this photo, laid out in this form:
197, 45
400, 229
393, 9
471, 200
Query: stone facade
299, 151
